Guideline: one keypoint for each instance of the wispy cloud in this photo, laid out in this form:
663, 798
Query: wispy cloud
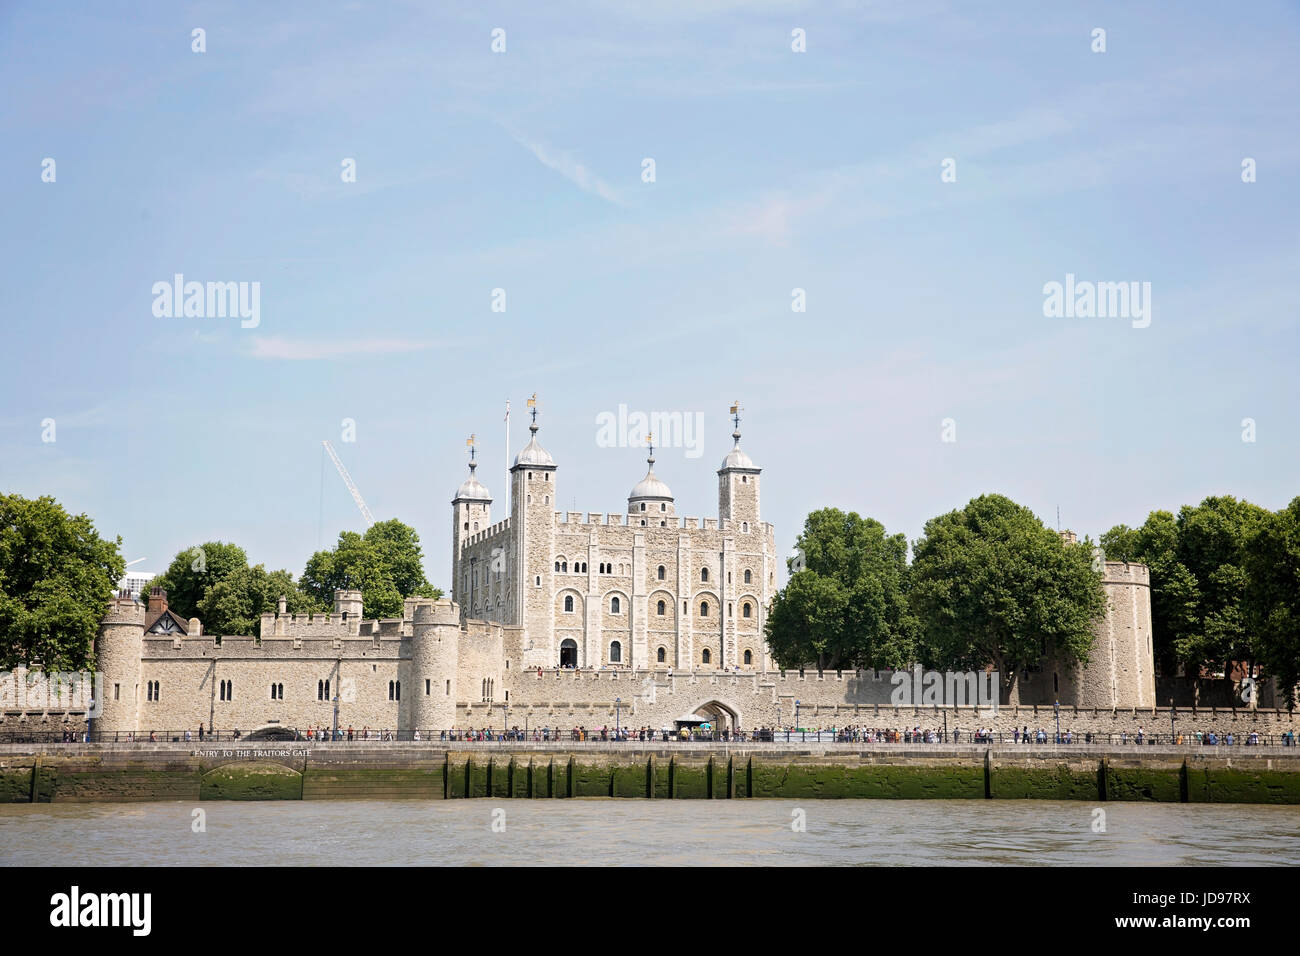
571, 169
280, 347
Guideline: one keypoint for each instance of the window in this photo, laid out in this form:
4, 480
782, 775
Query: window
466, 525
663, 506
448, 688
557, 565
428, 685
227, 690
661, 655
475, 525
615, 653
704, 574
277, 692
662, 572
537, 581
744, 527
643, 506
749, 577
613, 605
704, 609
685, 607
660, 608
394, 690
704, 658
323, 690
117, 691
749, 658
568, 603
151, 689
745, 609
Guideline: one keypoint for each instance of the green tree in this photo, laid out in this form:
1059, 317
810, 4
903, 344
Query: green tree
992, 584
192, 572
848, 607
1272, 563
57, 576
1198, 580
384, 564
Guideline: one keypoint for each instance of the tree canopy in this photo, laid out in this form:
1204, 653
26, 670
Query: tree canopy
848, 606
384, 564
992, 584
1199, 579
57, 576
1272, 564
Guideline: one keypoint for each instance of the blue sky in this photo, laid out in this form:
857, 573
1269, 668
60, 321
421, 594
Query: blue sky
521, 170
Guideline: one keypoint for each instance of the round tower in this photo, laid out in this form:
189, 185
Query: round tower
118, 651
1120, 672
435, 656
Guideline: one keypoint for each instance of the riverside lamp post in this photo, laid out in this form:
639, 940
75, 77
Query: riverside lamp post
617, 702
1057, 708
1173, 711
796, 718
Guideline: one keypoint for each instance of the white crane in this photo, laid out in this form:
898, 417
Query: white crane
347, 480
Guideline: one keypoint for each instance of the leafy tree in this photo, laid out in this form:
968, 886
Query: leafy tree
1272, 563
992, 584
192, 572
1198, 580
384, 564
848, 607
57, 576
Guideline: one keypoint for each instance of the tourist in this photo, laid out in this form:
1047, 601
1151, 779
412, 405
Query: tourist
200, 730
188, 736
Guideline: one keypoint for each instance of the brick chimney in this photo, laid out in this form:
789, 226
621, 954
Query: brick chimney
157, 601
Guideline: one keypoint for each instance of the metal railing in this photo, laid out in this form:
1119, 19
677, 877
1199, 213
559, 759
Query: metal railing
1038, 737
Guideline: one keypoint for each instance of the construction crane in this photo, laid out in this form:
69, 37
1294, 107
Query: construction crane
347, 480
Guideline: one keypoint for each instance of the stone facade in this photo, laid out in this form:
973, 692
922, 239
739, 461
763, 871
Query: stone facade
566, 619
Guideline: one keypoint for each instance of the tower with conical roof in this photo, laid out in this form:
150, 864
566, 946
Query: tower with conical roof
738, 482
532, 534
471, 512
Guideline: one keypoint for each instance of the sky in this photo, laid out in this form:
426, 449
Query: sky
920, 169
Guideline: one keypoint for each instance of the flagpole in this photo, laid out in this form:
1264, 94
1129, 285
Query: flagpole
506, 495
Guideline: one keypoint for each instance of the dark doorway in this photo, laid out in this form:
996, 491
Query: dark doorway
568, 653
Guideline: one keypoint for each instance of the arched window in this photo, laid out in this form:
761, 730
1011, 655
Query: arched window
744, 527
613, 605
663, 506
704, 574
704, 658
661, 608
564, 566
643, 506
662, 572
568, 603
557, 565
661, 655
745, 609
704, 609
749, 658
615, 653
748, 576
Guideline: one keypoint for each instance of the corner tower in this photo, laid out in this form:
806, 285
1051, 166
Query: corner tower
471, 512
119, 648
532, 529
738, 481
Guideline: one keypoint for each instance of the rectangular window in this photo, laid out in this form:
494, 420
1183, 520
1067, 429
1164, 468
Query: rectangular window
117, 691
448, 688
427, 685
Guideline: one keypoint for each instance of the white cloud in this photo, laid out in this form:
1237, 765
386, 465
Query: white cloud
280, 347
571, 169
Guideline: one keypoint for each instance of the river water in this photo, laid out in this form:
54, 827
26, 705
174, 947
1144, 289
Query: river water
649, 832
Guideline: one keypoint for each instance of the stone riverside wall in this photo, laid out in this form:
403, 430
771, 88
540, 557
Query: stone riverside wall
93, 773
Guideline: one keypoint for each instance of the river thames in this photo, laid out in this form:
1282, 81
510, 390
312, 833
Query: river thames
649, 833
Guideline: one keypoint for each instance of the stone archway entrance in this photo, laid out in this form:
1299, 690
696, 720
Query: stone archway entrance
721, 716
568, 653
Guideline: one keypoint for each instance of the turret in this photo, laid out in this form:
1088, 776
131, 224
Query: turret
471, 512
435, 652
532, 528
650, 502
738, 484
118, 651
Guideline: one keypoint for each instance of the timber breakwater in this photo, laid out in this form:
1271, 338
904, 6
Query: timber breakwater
294, 771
